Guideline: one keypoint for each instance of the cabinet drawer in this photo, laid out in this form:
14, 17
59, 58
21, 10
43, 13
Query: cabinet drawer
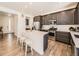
63, 37
64, 40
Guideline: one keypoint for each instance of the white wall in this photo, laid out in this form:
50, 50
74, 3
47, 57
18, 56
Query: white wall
31, 22
8, 23
15, 23
22, 24
4, 22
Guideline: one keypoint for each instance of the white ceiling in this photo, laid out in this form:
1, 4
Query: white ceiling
37, 8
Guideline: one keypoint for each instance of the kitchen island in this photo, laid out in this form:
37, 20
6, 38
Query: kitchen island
39, 40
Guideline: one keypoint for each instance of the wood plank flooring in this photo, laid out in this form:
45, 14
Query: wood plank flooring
10, 47
57, 49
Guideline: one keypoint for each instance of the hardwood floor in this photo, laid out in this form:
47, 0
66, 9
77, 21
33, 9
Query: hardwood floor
58, 49
10, 47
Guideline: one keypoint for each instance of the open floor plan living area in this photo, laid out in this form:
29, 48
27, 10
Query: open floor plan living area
39, 28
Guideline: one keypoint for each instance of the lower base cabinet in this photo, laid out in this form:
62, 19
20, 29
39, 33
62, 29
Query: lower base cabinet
76, 51
63, 37
45, 42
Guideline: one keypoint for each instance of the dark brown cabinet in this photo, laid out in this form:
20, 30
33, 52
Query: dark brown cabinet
37, 18
46, 19
63, 37
66, 17
76, 18
78, 14
62, 18
53, 16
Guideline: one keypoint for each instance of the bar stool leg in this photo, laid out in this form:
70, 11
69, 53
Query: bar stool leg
26, 50
19, 45
18, 41
32, 51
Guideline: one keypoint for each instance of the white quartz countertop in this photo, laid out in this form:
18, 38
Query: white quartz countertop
34, 33
76, 40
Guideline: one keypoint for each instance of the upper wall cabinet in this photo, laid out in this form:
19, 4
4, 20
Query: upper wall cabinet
46, 19
65, 17
76, 18
53, 16
78, 14
37, 18
62, 18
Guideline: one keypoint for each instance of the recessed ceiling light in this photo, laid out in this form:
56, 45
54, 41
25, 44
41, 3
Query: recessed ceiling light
30, 3
25, 6
9, 14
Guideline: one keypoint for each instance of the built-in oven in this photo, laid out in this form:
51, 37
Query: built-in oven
52, 31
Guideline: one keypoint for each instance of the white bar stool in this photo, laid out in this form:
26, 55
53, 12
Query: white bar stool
20, 41
28, 43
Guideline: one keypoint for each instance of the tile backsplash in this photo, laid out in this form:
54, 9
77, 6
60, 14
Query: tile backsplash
59, 27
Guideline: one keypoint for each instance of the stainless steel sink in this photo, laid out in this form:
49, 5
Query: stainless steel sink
76, 35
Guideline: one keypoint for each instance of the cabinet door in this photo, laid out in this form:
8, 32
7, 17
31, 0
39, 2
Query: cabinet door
54, 16
37, 18
45, 20
66, 17
63, 37
59, 22
78, 15
76, 21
